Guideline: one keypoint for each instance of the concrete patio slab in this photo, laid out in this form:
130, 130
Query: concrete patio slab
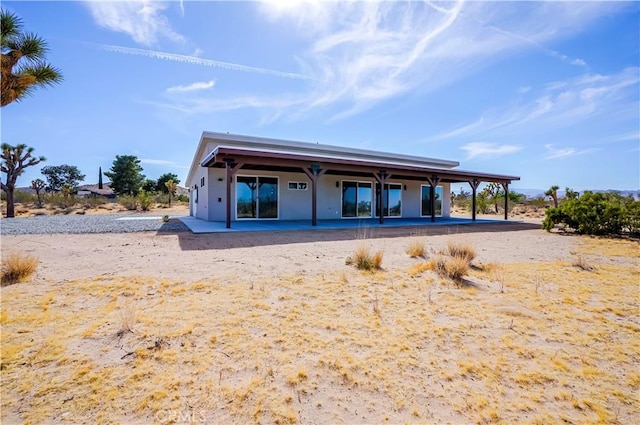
198, 226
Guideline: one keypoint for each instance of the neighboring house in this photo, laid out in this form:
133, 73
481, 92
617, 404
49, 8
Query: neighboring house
234, 177
93, 190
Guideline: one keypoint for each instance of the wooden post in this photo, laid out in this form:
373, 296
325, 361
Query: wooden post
231, 168
433, 182
474, 186
314, 172
505, 186
382, 178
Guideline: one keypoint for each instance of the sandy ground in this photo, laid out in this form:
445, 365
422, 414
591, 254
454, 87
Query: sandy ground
268, 254
274, 327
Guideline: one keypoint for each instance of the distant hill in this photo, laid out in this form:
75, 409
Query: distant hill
537, 193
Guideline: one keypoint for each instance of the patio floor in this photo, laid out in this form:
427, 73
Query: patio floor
197, 225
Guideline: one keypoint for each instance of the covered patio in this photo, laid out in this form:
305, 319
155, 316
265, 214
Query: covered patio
314, 165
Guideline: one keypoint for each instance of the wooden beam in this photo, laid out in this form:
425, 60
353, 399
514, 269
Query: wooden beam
382, 178
505, 186
433, 182
474, 186
314, 172
231, 169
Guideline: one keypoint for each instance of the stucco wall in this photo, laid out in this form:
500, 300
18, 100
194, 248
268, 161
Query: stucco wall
296, 204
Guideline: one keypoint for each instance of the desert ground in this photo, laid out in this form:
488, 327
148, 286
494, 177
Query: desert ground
277, 328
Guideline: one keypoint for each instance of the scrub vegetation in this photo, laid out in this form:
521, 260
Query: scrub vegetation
535, 342
16, 268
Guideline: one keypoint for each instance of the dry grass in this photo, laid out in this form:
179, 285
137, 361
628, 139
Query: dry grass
461, 250
363, 259
416, 249
348, 347
17, 268
583, 264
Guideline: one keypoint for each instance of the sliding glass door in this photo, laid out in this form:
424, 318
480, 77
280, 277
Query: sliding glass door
256, 197
356, 199
391, 200
426, 200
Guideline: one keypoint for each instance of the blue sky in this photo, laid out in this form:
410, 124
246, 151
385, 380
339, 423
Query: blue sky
548, 91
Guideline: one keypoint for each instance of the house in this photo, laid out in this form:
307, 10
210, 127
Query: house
94, 190
235, 177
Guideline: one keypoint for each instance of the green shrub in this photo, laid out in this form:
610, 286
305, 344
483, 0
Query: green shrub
597, 214
93, 201
128, 201
24, 197
145, 201
60, 201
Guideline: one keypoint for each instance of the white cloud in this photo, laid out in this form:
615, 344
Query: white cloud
483, 149
561, 104
192, 87
554, 153
156, 161
144, 21
199, 61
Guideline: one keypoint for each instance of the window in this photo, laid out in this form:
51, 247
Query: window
426, 200
202, 182
256, 197
298, 186
391, 200
356, 199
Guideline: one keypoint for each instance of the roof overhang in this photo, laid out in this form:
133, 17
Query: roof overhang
338, 162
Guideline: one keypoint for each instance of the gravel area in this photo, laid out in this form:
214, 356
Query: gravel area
95, 223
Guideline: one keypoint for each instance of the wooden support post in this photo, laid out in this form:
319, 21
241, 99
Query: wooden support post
314, 172
474, 186
433, 182
231, 169
382, 178
505, 186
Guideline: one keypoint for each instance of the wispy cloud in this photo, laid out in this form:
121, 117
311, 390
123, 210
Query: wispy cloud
359, 54
144, 21
192, 87
561, 104
151, 161
556, 153
194, 60
488, 150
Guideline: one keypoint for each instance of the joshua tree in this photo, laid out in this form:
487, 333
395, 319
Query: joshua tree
23, 61
14, 160
38, 185
171, 187
553, 193
570, 193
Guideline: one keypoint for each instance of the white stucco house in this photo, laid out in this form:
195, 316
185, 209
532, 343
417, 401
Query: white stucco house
235, 177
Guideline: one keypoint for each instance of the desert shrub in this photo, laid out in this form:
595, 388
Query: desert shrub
17, 268
182, 198
93, 201
58, 200
460, 250
583, 264
596, 214
456, 268
145, 201
416, 249
161, 198
128, 201
453, 268
21, 197
364, 260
